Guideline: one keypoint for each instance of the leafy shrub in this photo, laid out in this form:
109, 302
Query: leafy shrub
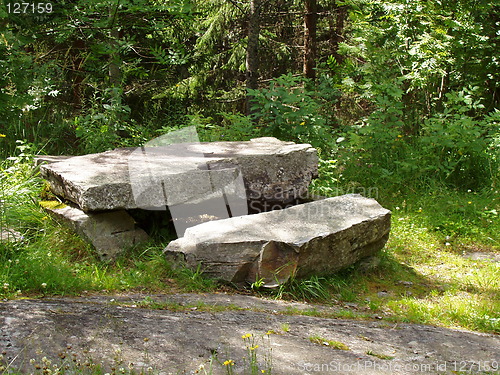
289, 110
455, 146
105, 123
228, 127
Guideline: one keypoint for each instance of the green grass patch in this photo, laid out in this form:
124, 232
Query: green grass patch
56, 262
312, 289
315, 339
59, 263
150, 303
337, 313
380, 356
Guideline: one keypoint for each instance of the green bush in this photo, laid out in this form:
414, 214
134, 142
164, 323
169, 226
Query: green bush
290, 111
454, 147
106, 123
226, 127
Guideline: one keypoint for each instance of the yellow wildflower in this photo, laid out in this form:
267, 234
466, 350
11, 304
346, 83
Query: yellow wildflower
229, 362
302, 123
247, 336
2, 136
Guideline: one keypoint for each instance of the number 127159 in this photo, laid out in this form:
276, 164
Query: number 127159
23, 8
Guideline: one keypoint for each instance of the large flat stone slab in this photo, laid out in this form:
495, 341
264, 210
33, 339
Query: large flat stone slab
319, 237
184, 173
103, 331
48, 159
108, 232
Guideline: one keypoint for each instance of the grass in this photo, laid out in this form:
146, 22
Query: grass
427, 247
58, 263
424, 273
380, 356
285, 327
150, 303
315, 339
311, 289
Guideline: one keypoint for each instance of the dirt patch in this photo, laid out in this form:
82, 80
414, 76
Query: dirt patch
116, 331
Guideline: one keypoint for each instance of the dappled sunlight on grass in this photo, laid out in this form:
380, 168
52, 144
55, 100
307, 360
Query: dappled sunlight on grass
453, 309
459, 291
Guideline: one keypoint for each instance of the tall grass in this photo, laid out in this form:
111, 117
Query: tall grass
19, 186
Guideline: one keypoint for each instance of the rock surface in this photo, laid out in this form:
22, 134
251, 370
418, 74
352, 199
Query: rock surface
49, 159
109, 232
315, 238
130, 178
10, 235
113, 332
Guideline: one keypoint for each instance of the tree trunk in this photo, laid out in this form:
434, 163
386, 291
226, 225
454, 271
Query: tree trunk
114, 68
310, 22
337, 31
252, 58
77, 71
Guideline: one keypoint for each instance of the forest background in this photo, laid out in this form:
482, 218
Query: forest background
399, 93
